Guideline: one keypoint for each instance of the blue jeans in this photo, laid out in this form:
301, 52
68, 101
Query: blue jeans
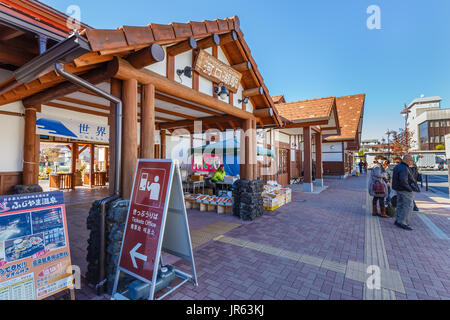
405, 204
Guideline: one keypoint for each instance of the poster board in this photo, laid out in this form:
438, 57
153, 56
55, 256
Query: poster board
34, 246
447, 146
156, 222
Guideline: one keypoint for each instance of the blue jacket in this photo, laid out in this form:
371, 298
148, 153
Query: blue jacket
402, 179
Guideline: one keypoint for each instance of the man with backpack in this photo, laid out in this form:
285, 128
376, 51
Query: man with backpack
404, 184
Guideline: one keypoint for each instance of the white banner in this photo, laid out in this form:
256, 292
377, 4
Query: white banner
72, 129
447, 146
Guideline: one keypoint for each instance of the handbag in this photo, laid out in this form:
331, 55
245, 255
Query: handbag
390, 210
379, 188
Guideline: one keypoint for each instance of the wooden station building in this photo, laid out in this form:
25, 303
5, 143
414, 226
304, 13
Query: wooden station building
325, 130
167, 77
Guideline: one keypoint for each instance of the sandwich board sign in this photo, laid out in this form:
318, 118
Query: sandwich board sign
34, 246
156, 222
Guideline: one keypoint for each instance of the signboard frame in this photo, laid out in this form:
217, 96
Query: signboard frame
51, 267
174, 189
209, 67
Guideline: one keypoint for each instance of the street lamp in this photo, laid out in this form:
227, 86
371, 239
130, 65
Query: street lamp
388, 133
405, 113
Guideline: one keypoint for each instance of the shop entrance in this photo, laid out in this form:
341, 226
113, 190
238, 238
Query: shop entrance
283, 166
71, 165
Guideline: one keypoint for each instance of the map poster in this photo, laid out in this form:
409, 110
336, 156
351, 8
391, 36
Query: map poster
34, 246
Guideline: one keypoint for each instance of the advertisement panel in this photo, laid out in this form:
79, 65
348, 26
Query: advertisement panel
73, 129
34, 246
205, 162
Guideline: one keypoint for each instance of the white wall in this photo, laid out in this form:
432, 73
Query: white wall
12, 139
181, 61
332, 152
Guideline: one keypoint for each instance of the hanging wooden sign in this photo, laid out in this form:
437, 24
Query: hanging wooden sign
217, 71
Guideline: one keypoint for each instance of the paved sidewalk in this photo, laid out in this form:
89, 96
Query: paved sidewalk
319, 247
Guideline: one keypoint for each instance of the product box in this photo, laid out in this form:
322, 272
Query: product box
196, 178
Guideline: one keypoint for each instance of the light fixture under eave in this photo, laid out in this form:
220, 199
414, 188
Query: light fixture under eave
223, 93
245, 100
187, 71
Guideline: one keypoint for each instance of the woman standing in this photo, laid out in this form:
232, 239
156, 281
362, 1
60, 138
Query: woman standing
378, 190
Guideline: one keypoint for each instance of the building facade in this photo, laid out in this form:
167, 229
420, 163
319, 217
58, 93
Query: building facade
428, 123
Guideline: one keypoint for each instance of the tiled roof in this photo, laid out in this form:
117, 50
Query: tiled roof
350, 110
307, 110
278, 99
135, 36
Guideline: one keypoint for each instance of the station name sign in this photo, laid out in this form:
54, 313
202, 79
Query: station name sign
217, 71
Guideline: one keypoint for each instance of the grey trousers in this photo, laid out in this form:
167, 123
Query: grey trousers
405, 205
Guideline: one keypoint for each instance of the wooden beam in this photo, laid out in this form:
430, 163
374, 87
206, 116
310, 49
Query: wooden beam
190, 123
187, 105
82, 149
9, 113
147, 56
305, 124
170, 67
176, 114
162, 84
85, 103
14, 56
91, 58
8, 34
76, 109
208, 42
258, 91
242, 67
189, 44
148, 122
228, 37
94, 76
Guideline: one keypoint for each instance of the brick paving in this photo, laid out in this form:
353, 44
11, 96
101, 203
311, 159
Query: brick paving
315, 248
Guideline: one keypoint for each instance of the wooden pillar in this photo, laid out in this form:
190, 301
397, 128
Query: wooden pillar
74, 163
116, 91
246, 151
29, 147
163, 144
92, 165
254, 151
148, 122
307, 185
129, 137
37, 159
319, 163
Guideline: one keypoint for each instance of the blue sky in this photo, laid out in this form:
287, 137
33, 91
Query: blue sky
309, 49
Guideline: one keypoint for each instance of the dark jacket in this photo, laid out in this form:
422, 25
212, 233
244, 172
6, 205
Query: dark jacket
402, 178
415, 173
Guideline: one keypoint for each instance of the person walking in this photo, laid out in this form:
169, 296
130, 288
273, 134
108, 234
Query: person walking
417, 177
378, 190
360, 164
403, 183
